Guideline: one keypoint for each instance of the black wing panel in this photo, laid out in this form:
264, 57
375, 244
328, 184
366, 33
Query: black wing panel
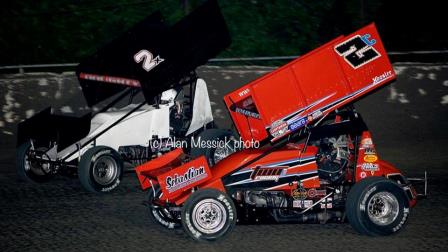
191, 42
112, 69
154, 57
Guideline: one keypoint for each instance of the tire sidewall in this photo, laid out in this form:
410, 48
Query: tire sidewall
187, 216
154, 216
403, 213
87, 164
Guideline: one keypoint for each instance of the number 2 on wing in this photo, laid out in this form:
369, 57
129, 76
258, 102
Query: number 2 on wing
357, 51
149, 62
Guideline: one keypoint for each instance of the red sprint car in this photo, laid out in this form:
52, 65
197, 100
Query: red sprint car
317, 162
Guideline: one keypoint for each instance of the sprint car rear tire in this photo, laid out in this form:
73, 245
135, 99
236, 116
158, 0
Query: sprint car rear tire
214, 155
100, 169
377, 206
208, 215
27, 170
160, 215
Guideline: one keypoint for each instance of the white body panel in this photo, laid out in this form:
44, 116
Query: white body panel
139, 127
202, 110
136, 129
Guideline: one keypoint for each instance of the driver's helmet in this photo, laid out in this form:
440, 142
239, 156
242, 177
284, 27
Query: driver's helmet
168, 95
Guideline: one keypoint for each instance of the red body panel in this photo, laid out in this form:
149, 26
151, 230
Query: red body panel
369, 163
176, 181
231, 163
236, 160
155, 167
311, 86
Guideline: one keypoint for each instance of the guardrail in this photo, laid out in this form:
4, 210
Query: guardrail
21, 68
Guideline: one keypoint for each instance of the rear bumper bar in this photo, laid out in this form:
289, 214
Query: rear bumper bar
421, 185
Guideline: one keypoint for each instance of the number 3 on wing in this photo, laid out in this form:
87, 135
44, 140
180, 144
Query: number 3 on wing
149, 62
357, 51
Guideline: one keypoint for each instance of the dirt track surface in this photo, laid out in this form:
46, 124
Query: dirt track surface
60, 216
409, 124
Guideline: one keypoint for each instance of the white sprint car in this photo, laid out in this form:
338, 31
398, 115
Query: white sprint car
176, 104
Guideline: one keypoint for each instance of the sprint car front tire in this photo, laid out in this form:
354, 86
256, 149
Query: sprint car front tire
160, 215
28, 170
100, 169
208, 215
377, 206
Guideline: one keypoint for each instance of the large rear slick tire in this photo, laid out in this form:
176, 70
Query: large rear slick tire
377, 206
100, 169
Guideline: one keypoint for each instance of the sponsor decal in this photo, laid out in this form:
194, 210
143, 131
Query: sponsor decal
363, 174
367, 142
367, 40
297, 113
299, 194
362, 206
149, 62
244, 92
327, 203
278, 128
358, 50
224, 200
313, 193
110, 188
110, 79
294, 125
370, 167
302, 203
99, 154
190, 226
176, 182
267, 173
403, 220
315, 115
246, 107
370, 158
369, 151
382, 77
247, 113
169, 225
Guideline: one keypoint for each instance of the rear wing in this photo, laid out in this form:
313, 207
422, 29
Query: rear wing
153, 56
112, 68
308, 88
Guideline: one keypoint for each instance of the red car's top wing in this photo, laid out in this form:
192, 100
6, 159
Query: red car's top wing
311, 86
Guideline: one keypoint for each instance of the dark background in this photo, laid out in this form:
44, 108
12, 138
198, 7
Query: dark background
63, 31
